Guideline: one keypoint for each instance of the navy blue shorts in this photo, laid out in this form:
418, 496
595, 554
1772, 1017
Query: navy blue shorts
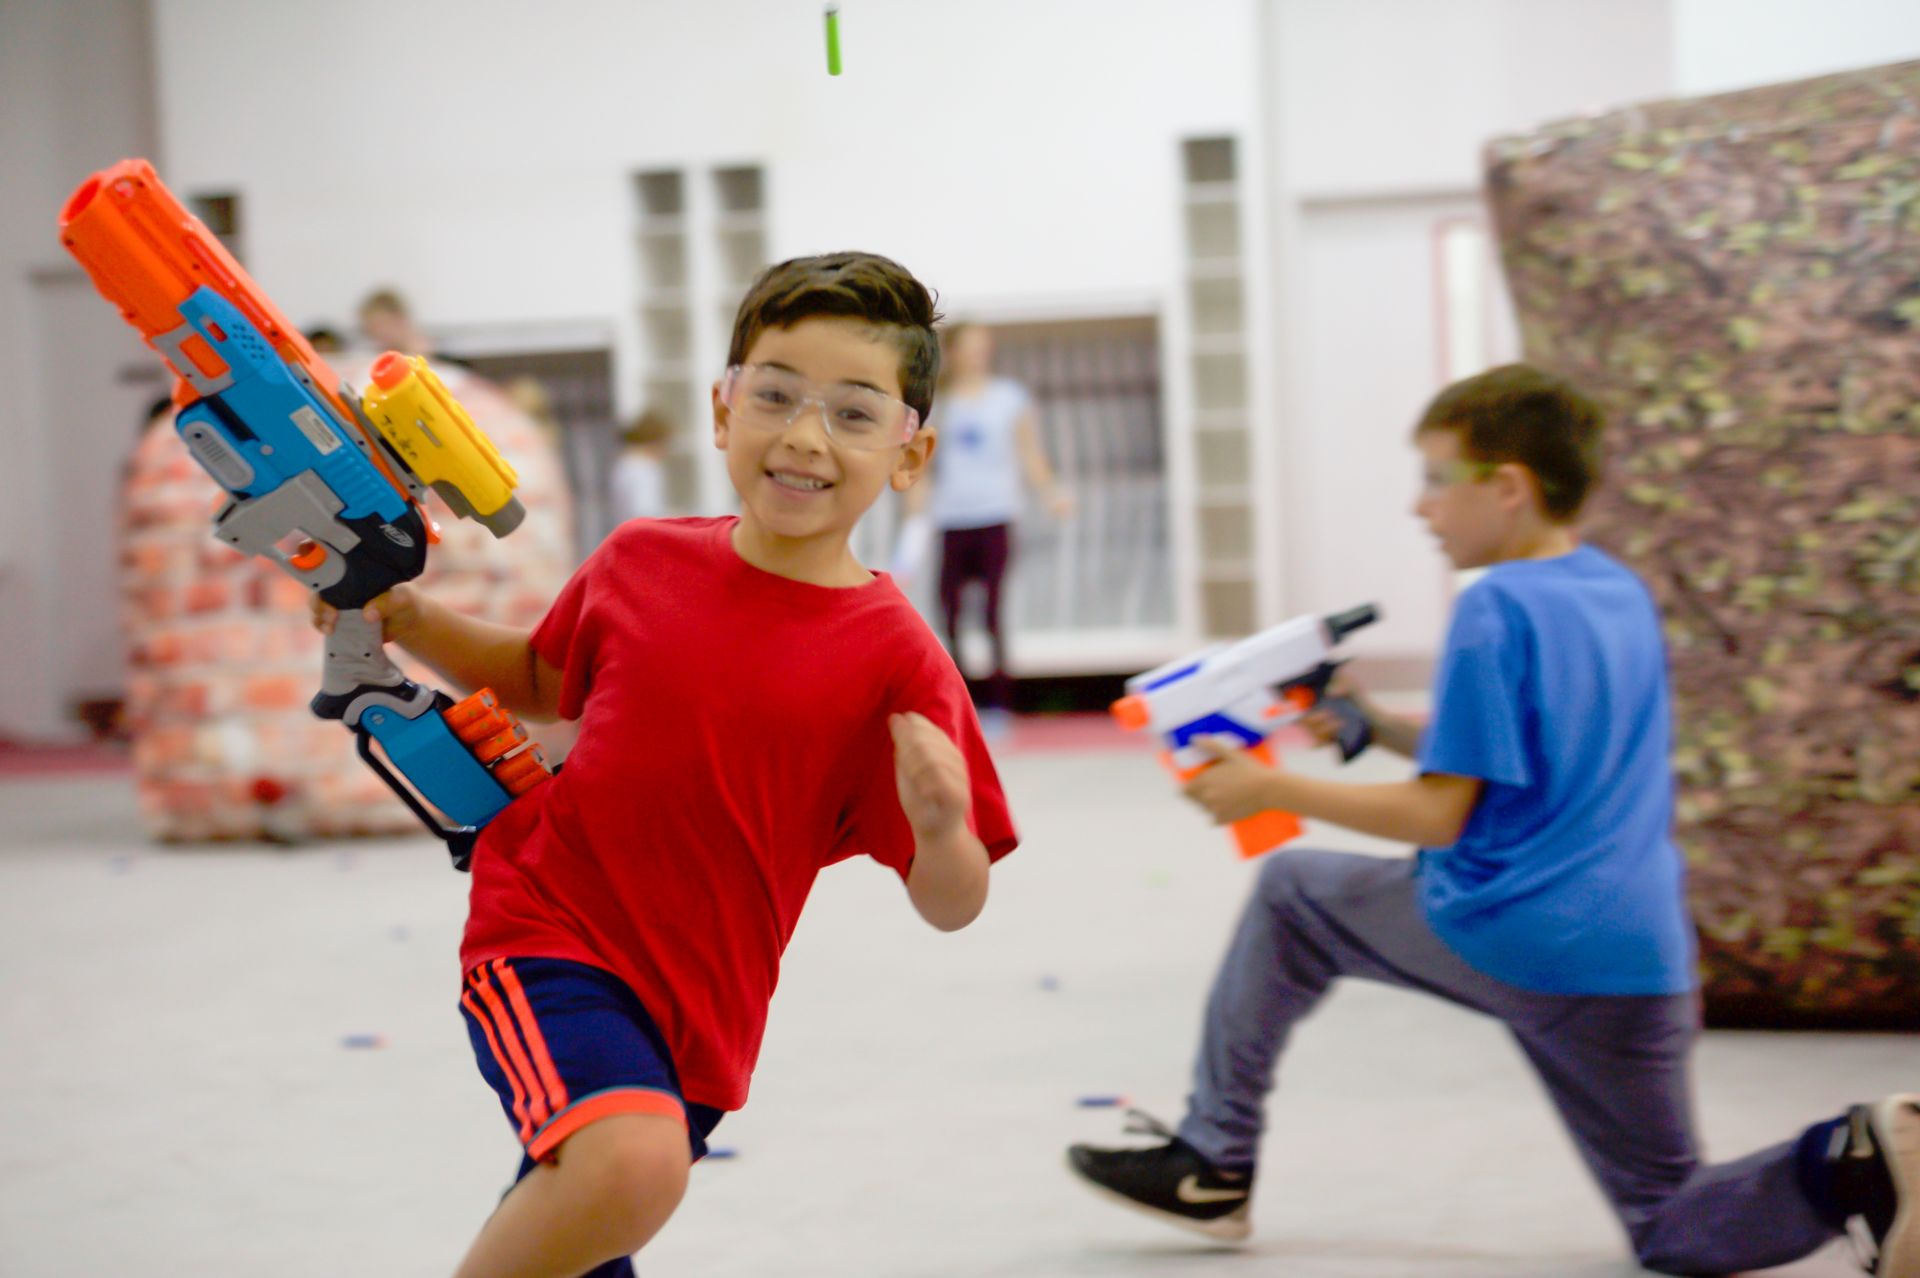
563, 1044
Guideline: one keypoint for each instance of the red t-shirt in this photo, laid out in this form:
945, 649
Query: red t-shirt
733, 741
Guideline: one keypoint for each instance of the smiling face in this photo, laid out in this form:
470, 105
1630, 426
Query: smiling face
801, 491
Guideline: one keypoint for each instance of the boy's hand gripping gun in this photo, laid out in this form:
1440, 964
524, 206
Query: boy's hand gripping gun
324, 483
1248, 690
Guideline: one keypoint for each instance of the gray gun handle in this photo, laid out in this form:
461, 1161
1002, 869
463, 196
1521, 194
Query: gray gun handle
357, 656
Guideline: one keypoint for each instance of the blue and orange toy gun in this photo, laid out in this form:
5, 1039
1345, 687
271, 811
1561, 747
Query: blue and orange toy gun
1247, 691
325, 484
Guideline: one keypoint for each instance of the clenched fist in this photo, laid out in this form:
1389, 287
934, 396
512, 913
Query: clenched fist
930, 775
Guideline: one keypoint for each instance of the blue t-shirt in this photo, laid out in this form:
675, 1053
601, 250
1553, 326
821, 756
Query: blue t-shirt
976, 467
1552, 690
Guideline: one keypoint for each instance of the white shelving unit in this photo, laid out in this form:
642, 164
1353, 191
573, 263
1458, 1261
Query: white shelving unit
666, 327
738, 231
699, 245
1220, 403
734, 233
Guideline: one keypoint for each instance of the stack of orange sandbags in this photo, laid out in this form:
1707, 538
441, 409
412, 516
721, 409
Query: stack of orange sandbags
222, 658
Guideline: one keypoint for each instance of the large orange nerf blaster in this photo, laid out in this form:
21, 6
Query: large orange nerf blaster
1247, 691
325, 483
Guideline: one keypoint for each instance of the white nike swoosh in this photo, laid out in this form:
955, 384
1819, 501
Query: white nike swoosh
1190, 1192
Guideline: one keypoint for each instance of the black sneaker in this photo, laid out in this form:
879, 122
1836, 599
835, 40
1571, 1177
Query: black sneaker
1876, 1170
1170, 1182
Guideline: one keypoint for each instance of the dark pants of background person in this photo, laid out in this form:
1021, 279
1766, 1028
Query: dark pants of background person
978, 554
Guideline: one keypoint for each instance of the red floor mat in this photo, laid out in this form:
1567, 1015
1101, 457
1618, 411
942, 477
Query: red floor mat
26, 758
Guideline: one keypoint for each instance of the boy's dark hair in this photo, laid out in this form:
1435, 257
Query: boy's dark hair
861, 286
1516, 413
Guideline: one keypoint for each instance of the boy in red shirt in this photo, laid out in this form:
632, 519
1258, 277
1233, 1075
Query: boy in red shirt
754, 705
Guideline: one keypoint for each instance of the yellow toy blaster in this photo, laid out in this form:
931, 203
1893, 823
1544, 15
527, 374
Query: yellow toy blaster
439, 443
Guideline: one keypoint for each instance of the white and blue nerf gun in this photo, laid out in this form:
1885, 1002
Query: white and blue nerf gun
1246, 691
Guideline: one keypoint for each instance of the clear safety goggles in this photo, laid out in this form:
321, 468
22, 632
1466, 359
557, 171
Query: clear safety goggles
768, 398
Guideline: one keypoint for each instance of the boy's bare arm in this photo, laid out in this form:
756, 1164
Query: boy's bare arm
948, 881
1392, 732
1039, 472
465, 651
1429, 810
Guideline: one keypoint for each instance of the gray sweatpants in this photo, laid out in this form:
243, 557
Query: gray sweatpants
1616, 1067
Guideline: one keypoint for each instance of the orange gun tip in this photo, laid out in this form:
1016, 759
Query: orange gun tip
1131, 712
390, 370
77, 203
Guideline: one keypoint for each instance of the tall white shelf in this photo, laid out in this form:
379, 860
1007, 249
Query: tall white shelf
666, 330
1220, 404
739, 227
734, 231
699, 244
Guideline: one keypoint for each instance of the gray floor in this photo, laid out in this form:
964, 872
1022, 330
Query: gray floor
171, 1038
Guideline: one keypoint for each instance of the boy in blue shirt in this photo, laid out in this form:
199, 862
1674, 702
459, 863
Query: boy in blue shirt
1547, 891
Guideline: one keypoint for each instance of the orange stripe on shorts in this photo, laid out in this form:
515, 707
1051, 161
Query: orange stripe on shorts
513, 1080
530, 1031
503, 1021
624, 1100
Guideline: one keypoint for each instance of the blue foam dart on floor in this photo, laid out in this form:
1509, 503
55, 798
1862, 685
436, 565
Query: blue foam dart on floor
1101, 1102
723, 1151
364, 1041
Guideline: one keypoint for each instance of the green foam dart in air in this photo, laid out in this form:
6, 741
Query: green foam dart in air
833, 39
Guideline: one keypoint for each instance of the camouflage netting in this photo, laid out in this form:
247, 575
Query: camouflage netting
222, 657
1737, 279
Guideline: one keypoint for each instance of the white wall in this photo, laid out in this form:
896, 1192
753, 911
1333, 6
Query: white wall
1003, 149
1378, 111
75, 93
1721, 45
1387, 96
1019, 155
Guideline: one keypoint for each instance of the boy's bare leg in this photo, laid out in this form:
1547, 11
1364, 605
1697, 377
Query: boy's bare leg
609, 1189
